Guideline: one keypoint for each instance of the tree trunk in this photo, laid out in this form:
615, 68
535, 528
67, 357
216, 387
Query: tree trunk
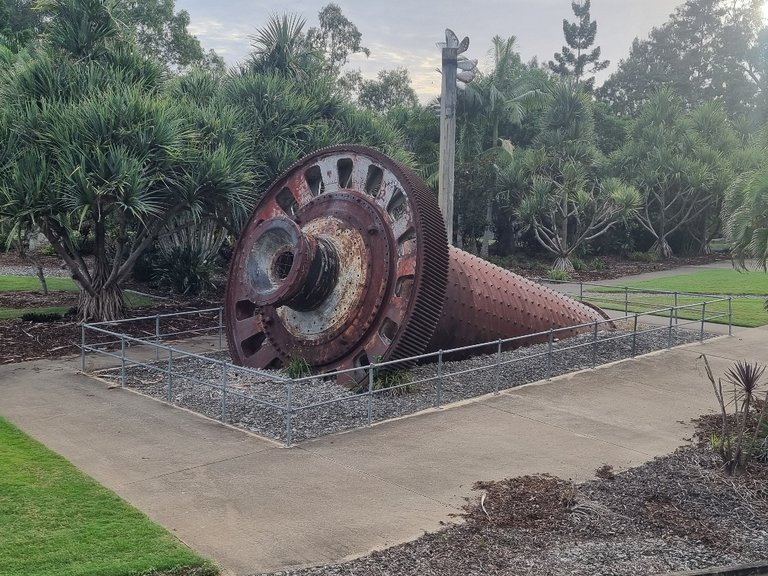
488, 234
107, 305
459, 233
662, 248
41, 276
563, 263
38, 270
107, 302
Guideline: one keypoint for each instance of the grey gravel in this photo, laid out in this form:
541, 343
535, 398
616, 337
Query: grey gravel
257, 403
21, 270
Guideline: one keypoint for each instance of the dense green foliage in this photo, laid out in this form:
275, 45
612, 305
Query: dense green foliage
576, 55
120, 129
55, 521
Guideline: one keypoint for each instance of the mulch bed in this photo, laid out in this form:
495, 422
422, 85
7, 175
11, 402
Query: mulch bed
677, 512
617, 267
22, 341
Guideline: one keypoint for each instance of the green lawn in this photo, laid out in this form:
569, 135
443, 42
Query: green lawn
747, 312
715, 281
749, 288
56, 521
32, 284
9, 313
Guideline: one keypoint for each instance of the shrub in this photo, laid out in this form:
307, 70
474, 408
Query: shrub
558, 275
598, 264
41, 316
144, 269
578, 264
387, 378
394, 380
642, 257
743, 434
186, 256
47, 250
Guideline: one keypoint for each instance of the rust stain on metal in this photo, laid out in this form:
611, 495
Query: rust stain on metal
345, 262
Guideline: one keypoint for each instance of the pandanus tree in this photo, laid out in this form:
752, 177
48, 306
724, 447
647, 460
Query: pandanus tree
562, 198
664, 160
745, 218
104, 151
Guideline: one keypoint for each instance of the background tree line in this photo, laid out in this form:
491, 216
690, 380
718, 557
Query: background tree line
134, 151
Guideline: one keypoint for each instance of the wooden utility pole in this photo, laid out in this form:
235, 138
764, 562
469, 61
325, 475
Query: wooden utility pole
452, 62
448, 137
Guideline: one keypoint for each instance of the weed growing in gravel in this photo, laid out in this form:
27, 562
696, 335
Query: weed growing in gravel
743, 434
297, 367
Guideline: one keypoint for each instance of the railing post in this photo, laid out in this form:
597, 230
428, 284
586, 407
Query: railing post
170, 375
703, 317
157, 336
497, 384
677, 315
224, 378
634, 337
549, 356
122, 361
288, 413
626, 300
371, 368
82, 347
669, 334
221, 327
439, 379
730, 316
594, 346
581, 291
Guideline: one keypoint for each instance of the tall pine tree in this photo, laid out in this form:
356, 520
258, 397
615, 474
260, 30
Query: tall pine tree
576, 58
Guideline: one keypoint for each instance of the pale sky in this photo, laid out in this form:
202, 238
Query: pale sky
404, 32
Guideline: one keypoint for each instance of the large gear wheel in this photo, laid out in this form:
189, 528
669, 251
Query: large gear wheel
344, 262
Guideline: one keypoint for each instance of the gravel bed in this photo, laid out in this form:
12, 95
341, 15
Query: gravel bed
28, 270
678, 512
255, 402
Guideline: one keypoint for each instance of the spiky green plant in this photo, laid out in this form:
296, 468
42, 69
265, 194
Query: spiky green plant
737, 440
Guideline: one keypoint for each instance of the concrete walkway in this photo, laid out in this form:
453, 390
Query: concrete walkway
254, 506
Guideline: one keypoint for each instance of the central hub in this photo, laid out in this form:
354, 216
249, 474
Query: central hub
290, 267
319, 279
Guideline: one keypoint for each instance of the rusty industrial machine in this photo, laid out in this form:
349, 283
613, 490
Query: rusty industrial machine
345, 262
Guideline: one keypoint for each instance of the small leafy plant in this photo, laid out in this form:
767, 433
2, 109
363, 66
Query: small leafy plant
740, 437
297, 367
558, 275
599, 264
41, 316
578, 264
387, 378
642, 257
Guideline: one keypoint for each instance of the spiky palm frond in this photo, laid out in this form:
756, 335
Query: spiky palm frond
745, 218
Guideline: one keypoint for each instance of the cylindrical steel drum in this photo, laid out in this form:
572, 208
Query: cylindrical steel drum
345, 262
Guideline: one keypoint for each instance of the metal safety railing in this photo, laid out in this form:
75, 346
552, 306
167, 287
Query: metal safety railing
151, 343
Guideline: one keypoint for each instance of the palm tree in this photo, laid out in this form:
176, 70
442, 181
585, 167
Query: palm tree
661, 159
745, 218
564, 203
502, 96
